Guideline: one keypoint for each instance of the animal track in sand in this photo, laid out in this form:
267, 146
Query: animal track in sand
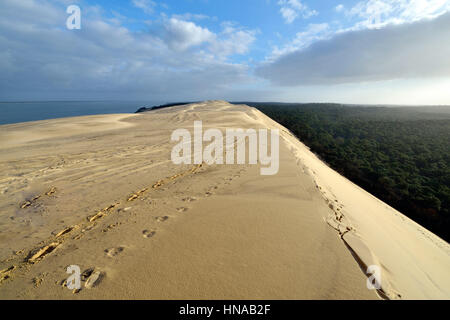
51, 191
33, 256
182, 209
189, 199
37, 254
42, 252
64, 231
78, 236
112, 252
87, 273
162, 219
28, 203
37, 281
102, 213
148, 233
137, 194
111, 226
92, 278
158, 184
6, 273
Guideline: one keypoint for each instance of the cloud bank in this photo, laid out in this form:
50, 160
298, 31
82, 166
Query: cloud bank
411, 50
291, 9
172, 59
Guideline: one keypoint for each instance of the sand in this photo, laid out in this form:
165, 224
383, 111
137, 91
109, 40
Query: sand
101, 193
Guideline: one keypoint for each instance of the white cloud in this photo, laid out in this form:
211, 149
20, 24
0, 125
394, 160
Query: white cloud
288, 14
191, 16
407, 51
379, 13
367, 14
339, 8
233, 42
40, 58
292, 9
181, 35
148, 6
313, 32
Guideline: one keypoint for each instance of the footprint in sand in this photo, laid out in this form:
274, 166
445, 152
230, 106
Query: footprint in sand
189, 199
182, 209
92, 277
112, 252
93, 280
148, 233
86, 274
208, 194
162, 219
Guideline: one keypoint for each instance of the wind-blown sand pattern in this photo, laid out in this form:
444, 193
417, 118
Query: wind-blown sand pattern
101, 192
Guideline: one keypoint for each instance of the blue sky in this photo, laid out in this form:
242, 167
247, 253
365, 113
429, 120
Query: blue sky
359, 51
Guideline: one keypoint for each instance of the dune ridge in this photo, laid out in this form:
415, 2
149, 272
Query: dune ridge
108, 198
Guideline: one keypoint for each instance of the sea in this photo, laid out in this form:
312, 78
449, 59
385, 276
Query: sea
14, 112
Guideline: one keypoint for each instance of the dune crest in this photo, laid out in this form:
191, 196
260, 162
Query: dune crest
152, 229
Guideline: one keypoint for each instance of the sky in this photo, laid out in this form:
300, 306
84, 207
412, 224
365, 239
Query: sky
344, 51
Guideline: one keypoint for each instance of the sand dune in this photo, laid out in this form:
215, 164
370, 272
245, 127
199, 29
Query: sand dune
414, 261
101, 192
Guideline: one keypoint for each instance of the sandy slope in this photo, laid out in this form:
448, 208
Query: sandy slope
101, 192
415, 263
